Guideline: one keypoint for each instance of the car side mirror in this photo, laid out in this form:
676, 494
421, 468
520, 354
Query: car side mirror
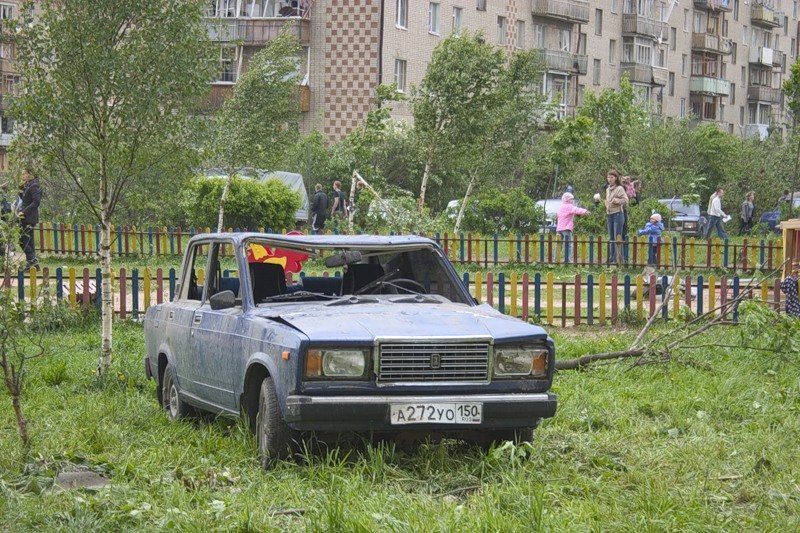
222, 300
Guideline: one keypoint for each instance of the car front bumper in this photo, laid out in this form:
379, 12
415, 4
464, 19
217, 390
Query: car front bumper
372, 413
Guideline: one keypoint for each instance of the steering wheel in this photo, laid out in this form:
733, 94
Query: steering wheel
409, 284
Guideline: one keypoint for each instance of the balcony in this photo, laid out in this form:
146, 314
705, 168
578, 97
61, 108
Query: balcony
641, 73
713, 5
761, 55
569, 10
633, 23
761, 131
257, 31
561, 61
706, 85
766, 17
778, 58
260, 31
715, 44
6, 138
764, 94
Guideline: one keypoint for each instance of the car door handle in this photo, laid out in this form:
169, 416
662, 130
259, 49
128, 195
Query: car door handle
198, 318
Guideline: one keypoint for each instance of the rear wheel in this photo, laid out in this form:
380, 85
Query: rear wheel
170, 396
274, 436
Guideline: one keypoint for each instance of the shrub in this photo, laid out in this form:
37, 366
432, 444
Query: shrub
251, 204
503, 211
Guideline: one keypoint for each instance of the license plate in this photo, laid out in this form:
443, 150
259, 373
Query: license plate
436, 413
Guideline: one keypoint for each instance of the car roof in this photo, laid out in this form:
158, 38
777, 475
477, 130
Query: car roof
343, 241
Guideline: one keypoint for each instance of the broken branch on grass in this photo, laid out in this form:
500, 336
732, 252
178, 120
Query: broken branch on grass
571, 364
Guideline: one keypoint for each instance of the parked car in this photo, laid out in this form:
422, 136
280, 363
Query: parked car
773, 218
395, 346
685, 219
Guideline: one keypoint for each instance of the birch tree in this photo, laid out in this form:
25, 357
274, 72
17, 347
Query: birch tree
106, 90
258, 125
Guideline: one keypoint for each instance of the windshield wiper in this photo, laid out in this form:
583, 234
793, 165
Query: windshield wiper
353, 300
299, 295
377, 281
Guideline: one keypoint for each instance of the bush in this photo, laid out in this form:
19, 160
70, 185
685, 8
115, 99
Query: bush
503, 211
251, 204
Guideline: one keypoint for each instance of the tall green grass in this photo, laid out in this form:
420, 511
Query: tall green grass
711, 446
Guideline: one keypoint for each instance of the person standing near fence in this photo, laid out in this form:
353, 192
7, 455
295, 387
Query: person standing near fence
747, 214
653, 229
716, 216
565, 221
616, 200
319, 210
28, 214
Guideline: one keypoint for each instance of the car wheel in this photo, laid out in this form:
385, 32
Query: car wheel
274, 436
170, 396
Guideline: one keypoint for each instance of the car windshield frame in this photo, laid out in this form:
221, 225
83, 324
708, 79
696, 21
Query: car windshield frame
677, 206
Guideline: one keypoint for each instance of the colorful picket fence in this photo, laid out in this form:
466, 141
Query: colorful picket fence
687, 253
591, 299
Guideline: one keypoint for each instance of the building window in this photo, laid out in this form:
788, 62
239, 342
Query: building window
596, 72
502, 27
733, 93
614, 6
218, 8
564, 39
686, 20
401, 20
744, 76
794, 9
457, 20
612, 52
7, 50
520, 34
539, 36
481, 5
433, 18
598, 22
791, 50
400, 74
582, 43
581, 92
725, 28
734, 51
735, 9
683, 107
745, 35
673, 38
683, 64
741, 115
227, 65
7, 11
671, 84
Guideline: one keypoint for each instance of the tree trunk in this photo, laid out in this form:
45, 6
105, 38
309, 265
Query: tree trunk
106, 304
463, 206
222, 200
424, 186
13, 385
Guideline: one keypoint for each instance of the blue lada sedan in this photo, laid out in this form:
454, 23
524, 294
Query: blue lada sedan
387, 341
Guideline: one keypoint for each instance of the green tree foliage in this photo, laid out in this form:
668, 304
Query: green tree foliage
107, 86
251, 204
494, 210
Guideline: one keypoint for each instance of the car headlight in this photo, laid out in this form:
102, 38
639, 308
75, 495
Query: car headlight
690, 225
520, 361
339, 363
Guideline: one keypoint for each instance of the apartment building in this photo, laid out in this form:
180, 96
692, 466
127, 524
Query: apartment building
9, 79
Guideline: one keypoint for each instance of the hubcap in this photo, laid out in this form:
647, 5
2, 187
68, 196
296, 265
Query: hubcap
173, 400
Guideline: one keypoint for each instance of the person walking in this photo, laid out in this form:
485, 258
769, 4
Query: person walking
565, 221
716, 216
339, 208
319, 210
747, 213
653, 229
616, 200
28, 214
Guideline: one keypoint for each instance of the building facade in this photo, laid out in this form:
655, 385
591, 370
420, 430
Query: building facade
9, 78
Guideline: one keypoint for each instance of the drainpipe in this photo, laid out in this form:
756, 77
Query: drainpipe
380, 43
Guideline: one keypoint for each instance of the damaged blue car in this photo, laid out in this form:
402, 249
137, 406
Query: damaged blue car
386, 342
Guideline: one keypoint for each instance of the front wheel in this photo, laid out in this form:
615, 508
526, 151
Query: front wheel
274, 436
170, 396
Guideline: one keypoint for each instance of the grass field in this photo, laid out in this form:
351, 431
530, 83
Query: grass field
708, 446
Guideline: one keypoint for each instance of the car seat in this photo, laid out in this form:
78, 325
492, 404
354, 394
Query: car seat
359, 275
268, 279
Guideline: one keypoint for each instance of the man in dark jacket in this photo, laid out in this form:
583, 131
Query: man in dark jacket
31, 196
319, 209
5, 217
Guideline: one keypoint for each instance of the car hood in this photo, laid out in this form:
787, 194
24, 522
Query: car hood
366, 321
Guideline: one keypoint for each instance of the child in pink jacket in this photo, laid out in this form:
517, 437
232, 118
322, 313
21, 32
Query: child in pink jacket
565, 221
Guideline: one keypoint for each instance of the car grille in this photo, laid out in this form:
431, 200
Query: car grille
433, 362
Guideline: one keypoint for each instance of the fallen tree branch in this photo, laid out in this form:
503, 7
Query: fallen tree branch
665, 299
570, 364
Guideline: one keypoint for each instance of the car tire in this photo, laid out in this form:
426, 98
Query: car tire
171, 400
274, 436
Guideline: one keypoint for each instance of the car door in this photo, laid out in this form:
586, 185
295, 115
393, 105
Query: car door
179, 316
216, 339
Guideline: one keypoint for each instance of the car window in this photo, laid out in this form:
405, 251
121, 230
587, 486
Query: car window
196, 273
